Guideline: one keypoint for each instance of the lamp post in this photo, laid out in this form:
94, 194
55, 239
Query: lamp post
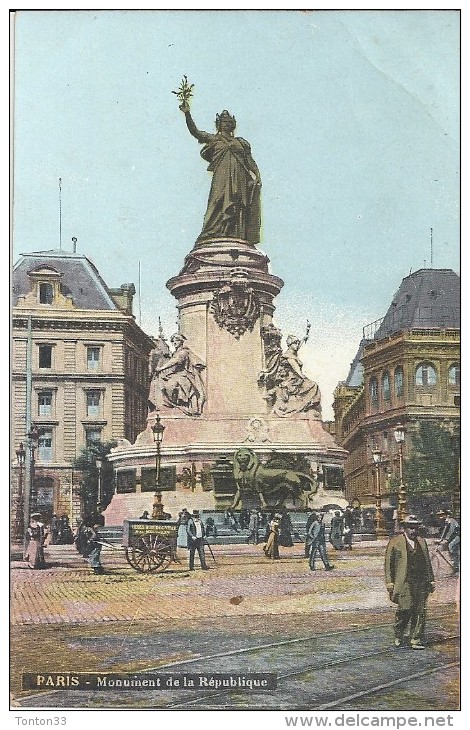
33, 436
380, 530
400, 433
455, 444
20, 458
99, 464
157, 430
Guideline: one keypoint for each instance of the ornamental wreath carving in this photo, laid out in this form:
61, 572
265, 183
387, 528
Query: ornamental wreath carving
235, 305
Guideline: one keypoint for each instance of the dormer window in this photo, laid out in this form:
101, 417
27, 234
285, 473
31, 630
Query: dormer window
46, 293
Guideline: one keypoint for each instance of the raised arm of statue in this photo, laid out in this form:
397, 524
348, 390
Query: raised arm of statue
197, 133
233, 207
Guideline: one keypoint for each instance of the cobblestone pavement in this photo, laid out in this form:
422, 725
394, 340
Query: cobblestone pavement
241, 582
65, 618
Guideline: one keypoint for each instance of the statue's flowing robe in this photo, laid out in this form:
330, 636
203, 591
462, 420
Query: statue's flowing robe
233, 208
295, 393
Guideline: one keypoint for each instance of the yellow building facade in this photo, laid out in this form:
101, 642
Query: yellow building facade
79, 375
407, 370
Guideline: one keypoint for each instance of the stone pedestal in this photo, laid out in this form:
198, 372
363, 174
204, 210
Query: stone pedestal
225, 297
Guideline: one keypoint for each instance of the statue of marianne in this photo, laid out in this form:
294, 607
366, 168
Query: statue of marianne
233, 208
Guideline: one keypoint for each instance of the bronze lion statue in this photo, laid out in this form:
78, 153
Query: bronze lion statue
272, 486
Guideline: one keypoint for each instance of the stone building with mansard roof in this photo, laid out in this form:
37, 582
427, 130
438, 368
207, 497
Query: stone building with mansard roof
88, 370
407, 369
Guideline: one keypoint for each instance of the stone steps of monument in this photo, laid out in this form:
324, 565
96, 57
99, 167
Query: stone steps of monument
226, 536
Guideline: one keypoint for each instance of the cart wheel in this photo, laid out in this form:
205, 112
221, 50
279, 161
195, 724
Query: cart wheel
149, 554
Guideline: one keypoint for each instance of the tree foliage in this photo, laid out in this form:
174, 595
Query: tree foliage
432, 464
86, 463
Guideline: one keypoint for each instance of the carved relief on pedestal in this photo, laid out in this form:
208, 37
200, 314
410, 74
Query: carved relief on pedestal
235, 305
258, 431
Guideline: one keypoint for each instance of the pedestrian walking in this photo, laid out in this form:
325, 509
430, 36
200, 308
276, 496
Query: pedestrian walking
36, 535
348, 530
211, 527
65, 534
271, 548
317, 543
93, 549
285, 528
253, 527
244, 518
182, 537
81, 536
196, 534
450, 537
54, 529
409, 579
230, 519
311, 518
336, 530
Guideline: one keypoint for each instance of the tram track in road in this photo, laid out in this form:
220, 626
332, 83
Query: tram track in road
203, 698
335, 652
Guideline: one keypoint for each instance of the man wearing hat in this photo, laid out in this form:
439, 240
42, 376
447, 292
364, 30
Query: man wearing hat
450, 537
196, 533
410, 580
317, 542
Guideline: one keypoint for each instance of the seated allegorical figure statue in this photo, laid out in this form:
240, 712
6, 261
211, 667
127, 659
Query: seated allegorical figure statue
287, 390
176, 378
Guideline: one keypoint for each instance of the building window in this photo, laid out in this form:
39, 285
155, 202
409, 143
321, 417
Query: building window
93, 358
45, 403
385, 441
45, 356
45, 446
386, 386
374, 391
93, 403
454, 374
425, 375
46, 294
92, 436
43, 497
399, 381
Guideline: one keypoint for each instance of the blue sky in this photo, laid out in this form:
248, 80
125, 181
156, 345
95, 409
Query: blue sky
353, 120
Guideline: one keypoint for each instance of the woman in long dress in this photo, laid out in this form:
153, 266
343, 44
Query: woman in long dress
271, 549
36, 534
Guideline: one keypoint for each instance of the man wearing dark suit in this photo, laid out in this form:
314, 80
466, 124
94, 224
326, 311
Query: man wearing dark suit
410, 580
196, 534
348, 527
450, 537
317, 543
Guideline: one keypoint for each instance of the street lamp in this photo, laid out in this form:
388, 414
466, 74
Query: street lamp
380, 530
400, 433
99, 464
455, 444
157, 430
20, 458
29, 496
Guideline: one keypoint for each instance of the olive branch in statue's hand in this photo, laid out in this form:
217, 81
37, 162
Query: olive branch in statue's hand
184, 94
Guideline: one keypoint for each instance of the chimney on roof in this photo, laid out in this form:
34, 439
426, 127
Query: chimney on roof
74, 241
123, 296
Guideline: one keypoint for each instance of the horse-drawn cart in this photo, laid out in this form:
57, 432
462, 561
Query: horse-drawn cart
150, 545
